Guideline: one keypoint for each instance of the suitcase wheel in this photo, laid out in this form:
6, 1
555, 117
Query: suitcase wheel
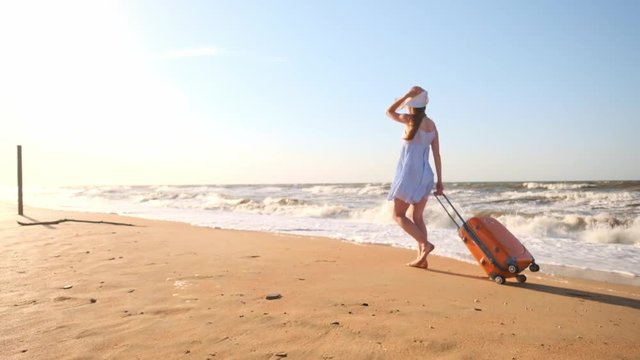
534, 267
513, 269
498, 279
521, 278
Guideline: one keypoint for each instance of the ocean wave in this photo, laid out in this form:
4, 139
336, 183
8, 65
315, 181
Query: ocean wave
562, 197
593, 224
166, 196
378, 214
557, 186
539, 209
269, 189
107, 192
283, 206
285, 201
601, 228
512, 198
313, 211
223, 202
357, 189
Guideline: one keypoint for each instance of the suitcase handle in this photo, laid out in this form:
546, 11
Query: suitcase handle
449, 213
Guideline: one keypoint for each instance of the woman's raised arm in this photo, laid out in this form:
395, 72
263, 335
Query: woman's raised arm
392, 110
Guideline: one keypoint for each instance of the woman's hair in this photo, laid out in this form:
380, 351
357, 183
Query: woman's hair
414, 123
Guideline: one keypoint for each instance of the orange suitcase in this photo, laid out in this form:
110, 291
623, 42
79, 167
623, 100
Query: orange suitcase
496, 249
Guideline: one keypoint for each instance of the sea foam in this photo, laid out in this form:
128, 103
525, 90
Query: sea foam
591, 225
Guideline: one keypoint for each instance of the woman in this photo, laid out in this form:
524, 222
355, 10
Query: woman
414, 178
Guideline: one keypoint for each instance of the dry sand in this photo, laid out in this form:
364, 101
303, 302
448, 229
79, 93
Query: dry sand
164, 290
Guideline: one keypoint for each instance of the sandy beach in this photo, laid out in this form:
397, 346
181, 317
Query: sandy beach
166, 290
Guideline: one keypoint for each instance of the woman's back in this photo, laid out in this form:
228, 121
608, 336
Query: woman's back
423, 138
425, 133
428, 125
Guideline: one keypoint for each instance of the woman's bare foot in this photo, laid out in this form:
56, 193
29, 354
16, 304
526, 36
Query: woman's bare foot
423, 252
420, 261
429, 248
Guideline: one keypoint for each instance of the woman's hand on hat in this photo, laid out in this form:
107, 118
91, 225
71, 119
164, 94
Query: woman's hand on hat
415, 90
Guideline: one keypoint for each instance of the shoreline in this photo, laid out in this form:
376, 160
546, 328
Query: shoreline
550, 270
569, 235
171, 290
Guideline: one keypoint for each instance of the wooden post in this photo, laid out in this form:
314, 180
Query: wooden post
20, 211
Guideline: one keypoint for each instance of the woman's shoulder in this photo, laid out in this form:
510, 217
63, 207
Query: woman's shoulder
428, 124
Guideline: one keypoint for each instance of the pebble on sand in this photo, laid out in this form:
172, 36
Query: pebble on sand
93, 301
273, 296
67, 287
281, 354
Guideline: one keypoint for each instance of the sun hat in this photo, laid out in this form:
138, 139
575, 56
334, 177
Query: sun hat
418, 101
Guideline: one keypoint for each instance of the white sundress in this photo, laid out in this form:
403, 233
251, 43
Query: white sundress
414, 176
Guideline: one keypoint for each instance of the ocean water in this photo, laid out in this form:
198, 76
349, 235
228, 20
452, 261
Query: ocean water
588, 229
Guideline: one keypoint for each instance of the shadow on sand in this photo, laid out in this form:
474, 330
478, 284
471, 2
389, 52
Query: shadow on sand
555, 290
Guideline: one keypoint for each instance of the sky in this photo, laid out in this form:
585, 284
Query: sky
286, 91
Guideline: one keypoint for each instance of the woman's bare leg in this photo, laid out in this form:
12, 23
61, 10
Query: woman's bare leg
400, 216
417, 215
